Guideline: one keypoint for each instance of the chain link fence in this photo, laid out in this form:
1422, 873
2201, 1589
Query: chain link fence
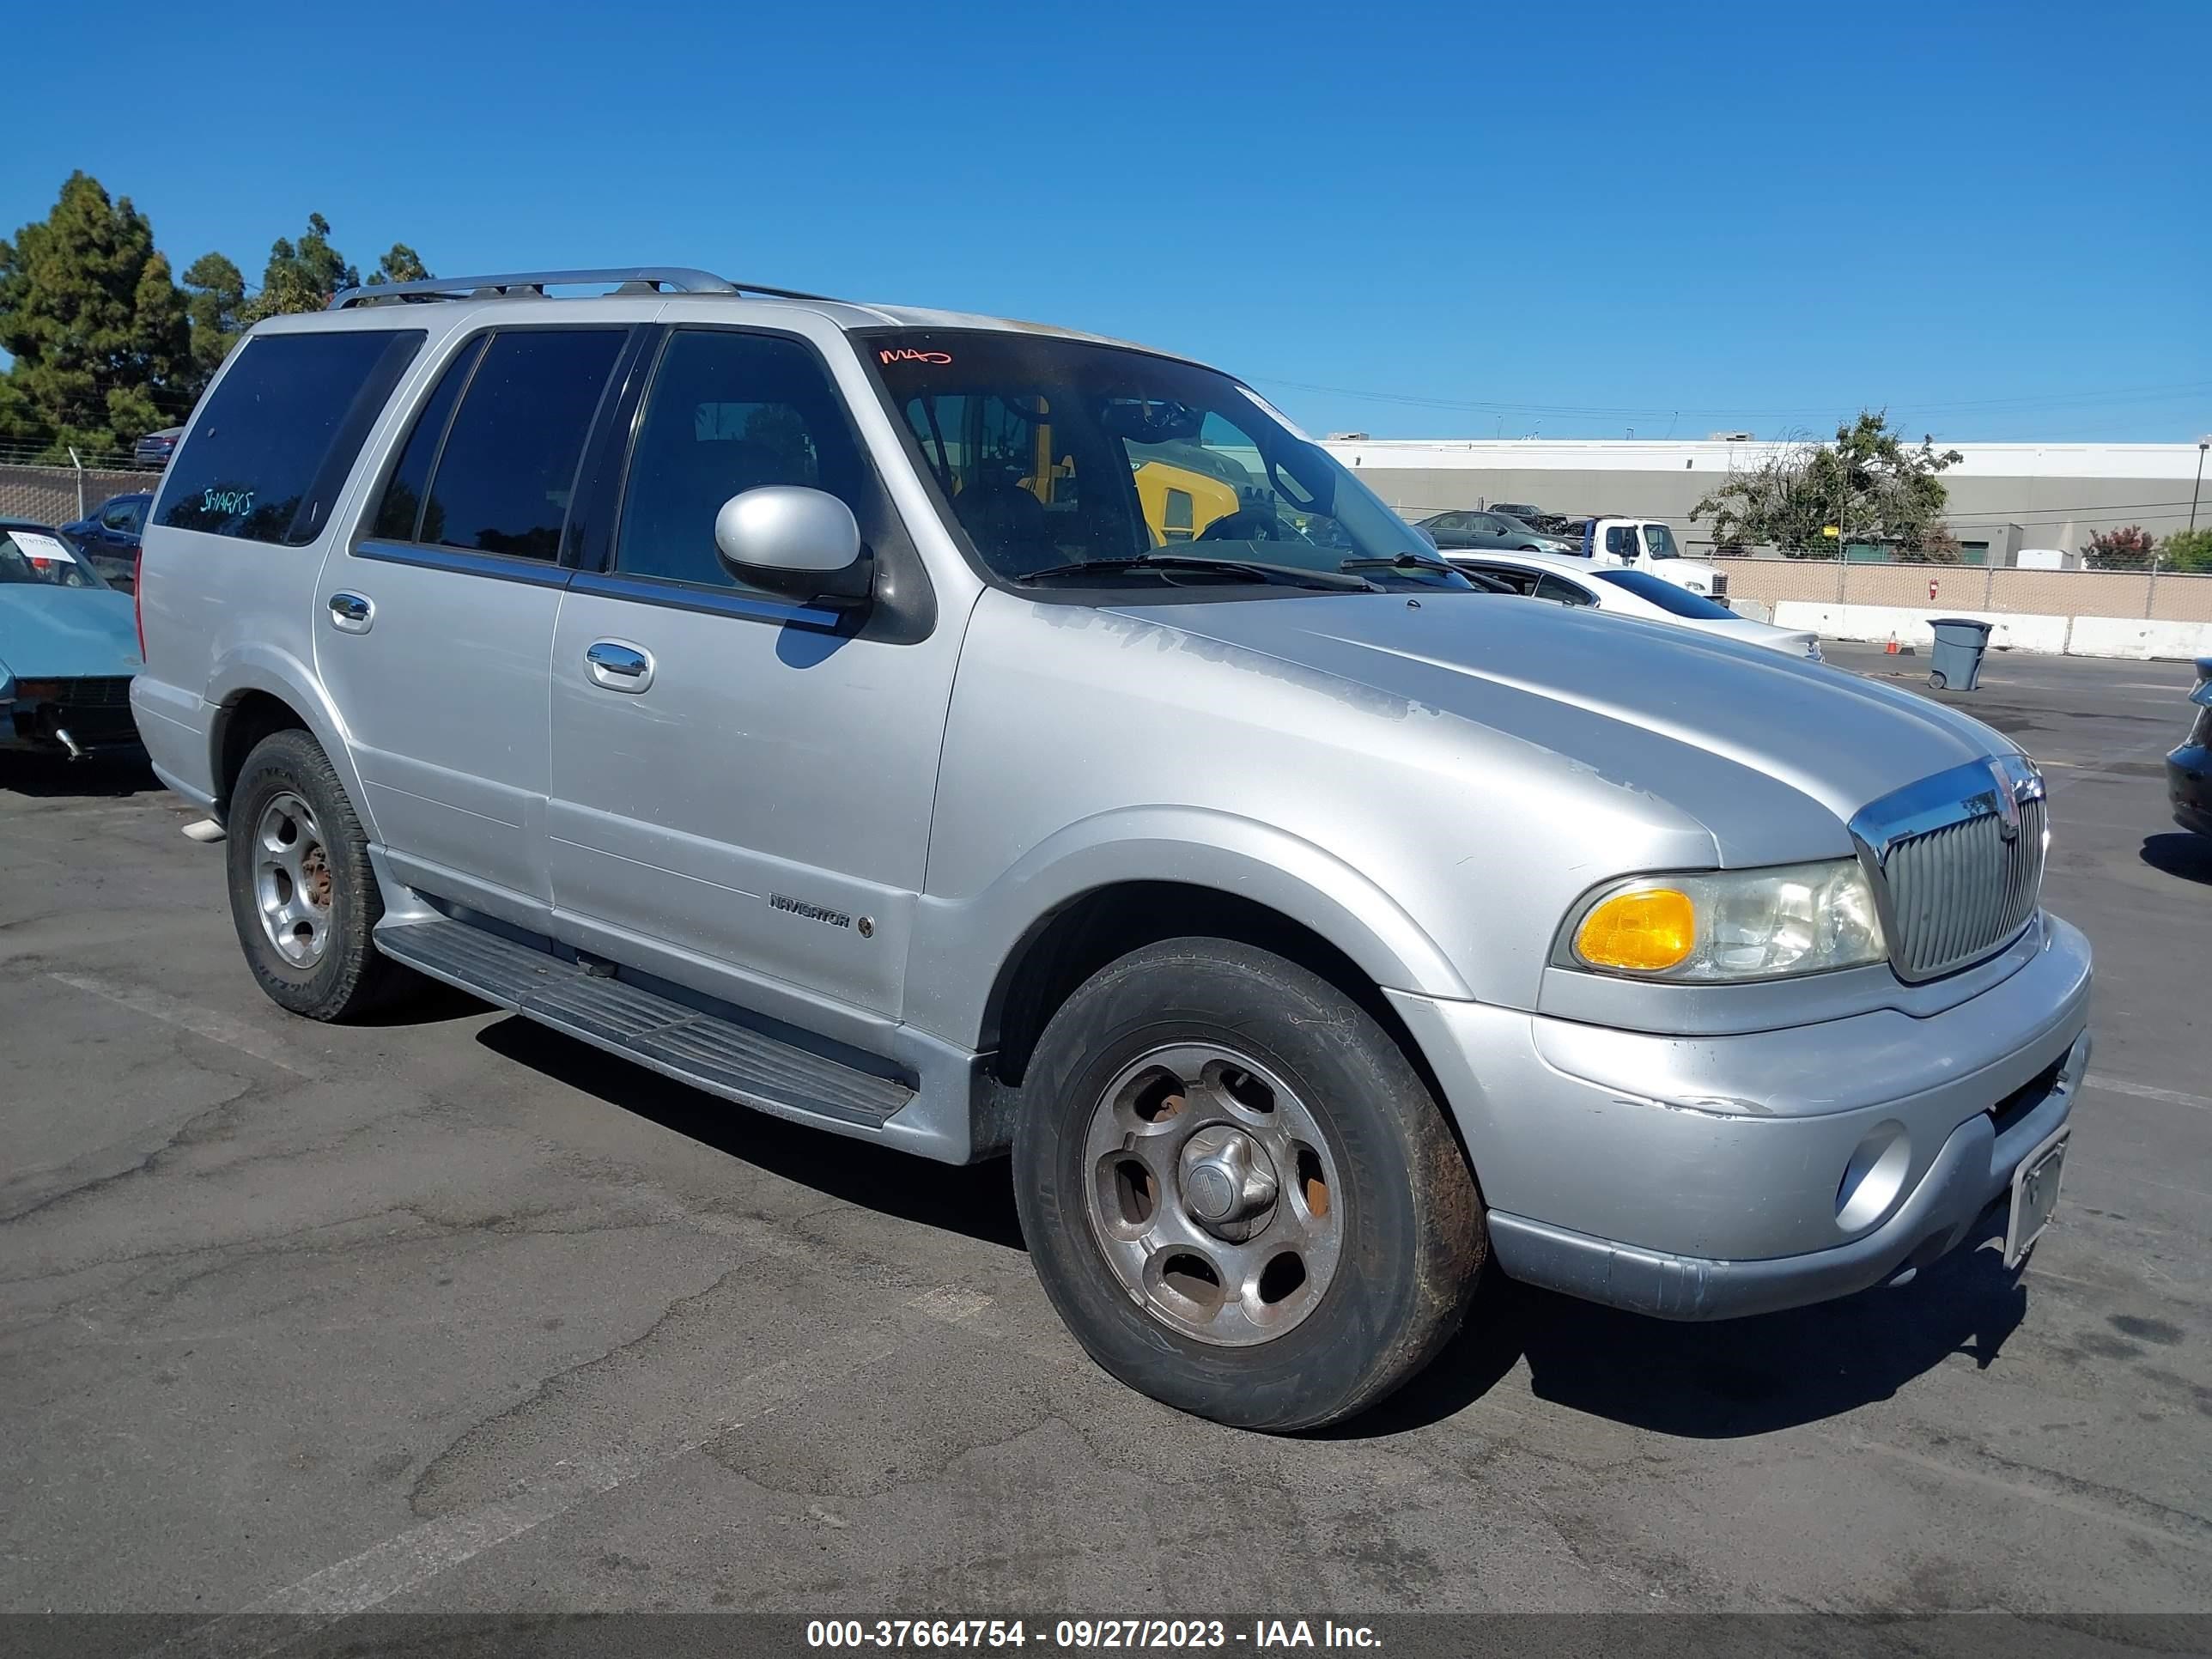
33, 488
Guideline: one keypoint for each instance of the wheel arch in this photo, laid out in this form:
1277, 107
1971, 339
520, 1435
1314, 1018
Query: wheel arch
1075, 940
259, 692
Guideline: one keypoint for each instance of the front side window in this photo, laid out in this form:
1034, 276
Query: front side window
508, 464
1052, 455
729, 412
1558, 589
125, 515
271, 447
1659, 542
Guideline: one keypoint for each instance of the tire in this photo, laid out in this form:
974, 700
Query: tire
1937, 683
313, 959
1122, 1108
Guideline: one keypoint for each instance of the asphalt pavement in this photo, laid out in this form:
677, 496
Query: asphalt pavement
453, 1313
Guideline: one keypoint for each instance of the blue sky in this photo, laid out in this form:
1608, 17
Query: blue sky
1570, 220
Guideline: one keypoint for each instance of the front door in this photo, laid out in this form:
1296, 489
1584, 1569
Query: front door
741, 783
434, 629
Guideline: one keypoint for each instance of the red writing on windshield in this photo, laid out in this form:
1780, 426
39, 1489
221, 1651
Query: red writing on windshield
909, 355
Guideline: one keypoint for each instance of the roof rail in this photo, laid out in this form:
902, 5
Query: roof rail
533, 285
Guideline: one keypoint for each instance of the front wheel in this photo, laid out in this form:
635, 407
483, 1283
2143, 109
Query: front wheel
1237, 1193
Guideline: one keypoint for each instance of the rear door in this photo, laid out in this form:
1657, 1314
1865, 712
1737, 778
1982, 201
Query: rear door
742, 781
434, 627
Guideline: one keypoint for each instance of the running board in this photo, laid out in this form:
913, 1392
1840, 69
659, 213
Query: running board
704, 1050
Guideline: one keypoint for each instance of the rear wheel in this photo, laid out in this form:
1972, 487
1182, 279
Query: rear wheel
302, 896
1237, 1193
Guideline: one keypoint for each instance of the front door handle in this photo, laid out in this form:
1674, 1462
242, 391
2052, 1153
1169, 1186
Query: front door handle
351, 614
618, 667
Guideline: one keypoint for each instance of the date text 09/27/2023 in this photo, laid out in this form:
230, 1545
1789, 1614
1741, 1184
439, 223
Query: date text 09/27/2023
1087, 1635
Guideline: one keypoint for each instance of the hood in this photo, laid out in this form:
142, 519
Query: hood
66, 633
1617, 694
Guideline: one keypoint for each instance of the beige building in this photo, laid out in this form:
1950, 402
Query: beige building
2003, 497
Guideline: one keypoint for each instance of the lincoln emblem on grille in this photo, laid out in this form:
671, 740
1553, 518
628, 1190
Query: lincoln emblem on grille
2008, 802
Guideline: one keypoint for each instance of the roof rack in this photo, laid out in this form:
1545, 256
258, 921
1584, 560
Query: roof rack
533, 285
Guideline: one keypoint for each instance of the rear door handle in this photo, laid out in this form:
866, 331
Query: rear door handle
618, 667
351, 614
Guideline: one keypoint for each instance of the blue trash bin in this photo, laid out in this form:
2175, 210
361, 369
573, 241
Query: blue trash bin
1960, 643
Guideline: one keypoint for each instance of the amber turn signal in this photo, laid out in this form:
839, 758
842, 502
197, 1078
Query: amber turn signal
1645, 931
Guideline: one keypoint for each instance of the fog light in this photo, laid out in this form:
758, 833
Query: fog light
1874, 1177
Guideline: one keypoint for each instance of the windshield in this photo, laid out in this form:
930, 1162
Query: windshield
1053, 452
41, 556
1664, 594
1659, 542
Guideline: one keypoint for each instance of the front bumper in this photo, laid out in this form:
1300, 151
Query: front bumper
95, 714
2188, 787
1710, 1176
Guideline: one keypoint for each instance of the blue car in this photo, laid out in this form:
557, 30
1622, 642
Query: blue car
109, 535
69, 647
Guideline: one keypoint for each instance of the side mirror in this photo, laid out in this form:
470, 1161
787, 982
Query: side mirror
792, 540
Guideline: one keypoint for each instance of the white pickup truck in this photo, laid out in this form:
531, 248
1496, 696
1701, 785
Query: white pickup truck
1648, 545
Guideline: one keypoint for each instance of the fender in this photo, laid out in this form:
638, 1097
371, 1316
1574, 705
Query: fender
256, 665
960, 945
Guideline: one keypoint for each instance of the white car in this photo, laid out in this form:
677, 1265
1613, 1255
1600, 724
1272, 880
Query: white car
1619, 590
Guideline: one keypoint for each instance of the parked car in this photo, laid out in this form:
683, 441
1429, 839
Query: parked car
2189, 768
68, 648
155, 447
1482, 528
742, 685
1548, 524
109, 536
1621, 591
1646, 544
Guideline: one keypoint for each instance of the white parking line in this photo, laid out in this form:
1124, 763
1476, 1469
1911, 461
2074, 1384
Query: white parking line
421, 1554
2171, 1097
189, 1017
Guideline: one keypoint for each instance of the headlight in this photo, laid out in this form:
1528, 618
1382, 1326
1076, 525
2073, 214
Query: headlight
1728, 924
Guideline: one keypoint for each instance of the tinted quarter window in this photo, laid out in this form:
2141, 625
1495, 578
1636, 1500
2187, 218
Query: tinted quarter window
504, 477
727, 413
397, 514
268, 452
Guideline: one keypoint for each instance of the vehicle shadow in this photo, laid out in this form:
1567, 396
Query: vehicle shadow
47, 778
976, 1201
2178, 853
1720, 1381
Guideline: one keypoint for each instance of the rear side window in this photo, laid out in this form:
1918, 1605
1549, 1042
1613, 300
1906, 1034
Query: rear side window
1620, 540
267, 453
1549, 587
399, 515
502, 480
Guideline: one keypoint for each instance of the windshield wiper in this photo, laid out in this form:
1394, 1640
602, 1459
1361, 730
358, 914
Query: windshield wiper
1402, 561
1243, 569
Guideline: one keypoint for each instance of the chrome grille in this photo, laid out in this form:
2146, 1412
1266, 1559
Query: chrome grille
1961, 875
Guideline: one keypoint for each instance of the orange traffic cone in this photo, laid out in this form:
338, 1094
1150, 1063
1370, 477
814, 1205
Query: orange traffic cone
1891, 649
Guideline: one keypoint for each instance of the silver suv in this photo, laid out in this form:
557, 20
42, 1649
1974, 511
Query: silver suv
977, 737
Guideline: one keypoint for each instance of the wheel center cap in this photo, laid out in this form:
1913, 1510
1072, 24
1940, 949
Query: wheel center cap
1228, 1181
